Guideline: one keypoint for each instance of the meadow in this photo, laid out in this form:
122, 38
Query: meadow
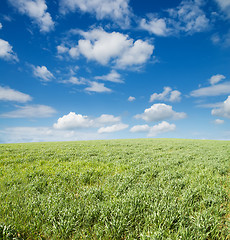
117, 189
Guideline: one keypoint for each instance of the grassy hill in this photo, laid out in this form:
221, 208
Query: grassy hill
117, 189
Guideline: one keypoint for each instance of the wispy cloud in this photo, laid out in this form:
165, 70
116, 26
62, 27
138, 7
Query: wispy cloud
30, 111
8, 94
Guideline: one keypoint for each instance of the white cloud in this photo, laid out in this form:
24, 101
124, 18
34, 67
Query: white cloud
140, 128
113, 128
175, 96
116, 10
157, 26
43, 73
166, 95
106, 119
224, 110
214, 90
216, 78
47, 134
131, 99
30, 111
37, 11
189, 17
74, 52
161, 128
224, 6
103, 47
159, 112
113, 76
8, 94
97, 87
0, 26
62, 49
74, 81
137, 54
219, 121
72, 121
154, 130
6, 51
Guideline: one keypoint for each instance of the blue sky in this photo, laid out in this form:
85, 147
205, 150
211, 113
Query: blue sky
105, 69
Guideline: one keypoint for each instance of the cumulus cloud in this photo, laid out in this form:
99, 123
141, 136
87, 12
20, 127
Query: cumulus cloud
161, 128
116, 10
104, 47
159, 112
8, 94
214, 90
6, 51
30, 111
37, 11
154, 130
166, 95
43, 73
131, 99
219, 121
157, 26
62, 49
216, 78
113, 128
113, 76
223, 110
73, 121
140, 128
97, 87
0, 26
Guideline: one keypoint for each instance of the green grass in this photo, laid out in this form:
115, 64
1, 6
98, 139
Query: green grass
118, 189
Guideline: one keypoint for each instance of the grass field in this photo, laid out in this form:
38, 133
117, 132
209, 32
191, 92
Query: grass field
118, 189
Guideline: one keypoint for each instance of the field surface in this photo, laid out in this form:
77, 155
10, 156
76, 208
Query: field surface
118, 189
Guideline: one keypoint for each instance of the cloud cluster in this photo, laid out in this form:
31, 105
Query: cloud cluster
159, 112
223, 110
116, 10
105, 47
74, 121
188, 17
43, 73
37, 11
166, 95
8, 94
162, 127
6, 51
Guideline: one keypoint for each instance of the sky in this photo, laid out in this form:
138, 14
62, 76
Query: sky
111, 69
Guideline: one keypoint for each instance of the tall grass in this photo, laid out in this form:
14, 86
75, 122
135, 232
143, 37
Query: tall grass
119, 189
